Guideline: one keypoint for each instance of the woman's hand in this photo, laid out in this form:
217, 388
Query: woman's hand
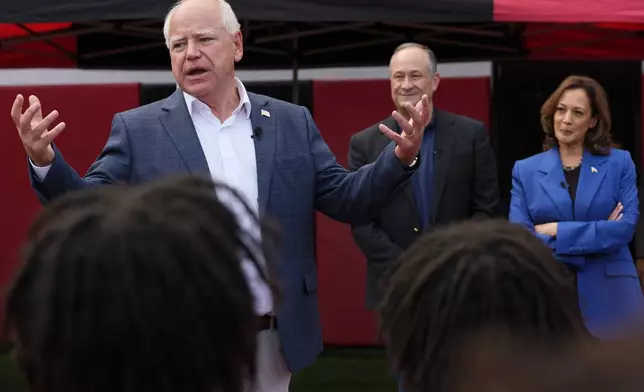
617, 213
550, 229
547, 229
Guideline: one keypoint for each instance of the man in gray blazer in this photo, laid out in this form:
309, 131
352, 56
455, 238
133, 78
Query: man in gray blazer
269, 150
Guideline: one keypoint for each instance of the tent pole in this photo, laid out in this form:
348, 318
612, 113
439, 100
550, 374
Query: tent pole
295, 81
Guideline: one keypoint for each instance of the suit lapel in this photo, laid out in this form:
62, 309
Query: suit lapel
443, 145
553, 183
263, 121
178, 124
591, 176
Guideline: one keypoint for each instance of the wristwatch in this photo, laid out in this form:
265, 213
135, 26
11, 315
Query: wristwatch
413, 165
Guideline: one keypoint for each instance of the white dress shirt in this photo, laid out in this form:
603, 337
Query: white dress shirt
230, 154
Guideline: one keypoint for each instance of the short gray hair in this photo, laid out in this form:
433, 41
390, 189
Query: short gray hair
433, 62
228, 19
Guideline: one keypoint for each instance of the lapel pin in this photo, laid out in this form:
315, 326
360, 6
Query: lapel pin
593, 170
266, 113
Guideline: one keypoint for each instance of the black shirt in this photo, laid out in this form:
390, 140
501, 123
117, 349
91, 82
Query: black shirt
572, 179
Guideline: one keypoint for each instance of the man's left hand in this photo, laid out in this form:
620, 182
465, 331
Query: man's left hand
408, 142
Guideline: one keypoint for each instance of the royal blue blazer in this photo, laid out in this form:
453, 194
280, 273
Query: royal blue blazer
610, 296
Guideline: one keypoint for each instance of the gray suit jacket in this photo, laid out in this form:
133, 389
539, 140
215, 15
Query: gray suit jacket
297, 175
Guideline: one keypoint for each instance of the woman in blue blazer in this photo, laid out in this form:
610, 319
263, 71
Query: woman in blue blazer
580, 197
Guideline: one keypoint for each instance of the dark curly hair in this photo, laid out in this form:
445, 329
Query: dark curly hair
459, 281
598, 139
136, 289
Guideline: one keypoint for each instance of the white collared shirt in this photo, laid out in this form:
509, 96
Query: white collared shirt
230, 154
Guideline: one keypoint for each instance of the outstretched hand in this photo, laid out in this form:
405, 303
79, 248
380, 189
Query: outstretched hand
33, 130
408, 142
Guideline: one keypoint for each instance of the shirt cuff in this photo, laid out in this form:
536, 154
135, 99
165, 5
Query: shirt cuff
40, 171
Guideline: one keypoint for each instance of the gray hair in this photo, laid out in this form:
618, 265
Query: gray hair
228, 19
433, 62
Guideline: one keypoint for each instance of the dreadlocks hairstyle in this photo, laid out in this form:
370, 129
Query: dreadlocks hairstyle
136, 289
462, 280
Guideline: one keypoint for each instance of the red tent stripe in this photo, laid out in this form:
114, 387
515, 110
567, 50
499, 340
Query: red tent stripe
8, 30
569, 11
607, 41
36, 53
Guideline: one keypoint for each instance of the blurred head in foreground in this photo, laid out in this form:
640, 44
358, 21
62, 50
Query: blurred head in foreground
458, 282
135, 289
496, 364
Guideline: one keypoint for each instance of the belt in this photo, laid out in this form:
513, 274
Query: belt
266, 322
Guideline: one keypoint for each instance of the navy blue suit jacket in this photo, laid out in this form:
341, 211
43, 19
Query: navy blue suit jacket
297, 175
610, 296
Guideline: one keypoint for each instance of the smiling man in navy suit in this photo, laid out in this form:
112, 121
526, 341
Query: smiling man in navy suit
269, 150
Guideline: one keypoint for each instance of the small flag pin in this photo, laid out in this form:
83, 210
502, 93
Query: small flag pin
593, 170
266, 113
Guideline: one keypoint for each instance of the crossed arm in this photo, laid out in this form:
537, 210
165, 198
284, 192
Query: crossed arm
572, 239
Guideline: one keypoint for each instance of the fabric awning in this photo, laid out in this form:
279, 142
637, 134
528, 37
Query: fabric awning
434, 11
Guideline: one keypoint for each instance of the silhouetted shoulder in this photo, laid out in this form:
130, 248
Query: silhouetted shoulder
276, 104
372, 131
460, 119
620, 154
153, 108
466, 125
536, 157
533, 159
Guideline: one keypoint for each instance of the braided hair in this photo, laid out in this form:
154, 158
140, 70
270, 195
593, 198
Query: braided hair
466, 279
140, 289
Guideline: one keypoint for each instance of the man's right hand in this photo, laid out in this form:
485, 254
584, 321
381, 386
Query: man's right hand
33, 130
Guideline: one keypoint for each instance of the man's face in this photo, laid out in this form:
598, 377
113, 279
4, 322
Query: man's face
202, 52
411, 77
